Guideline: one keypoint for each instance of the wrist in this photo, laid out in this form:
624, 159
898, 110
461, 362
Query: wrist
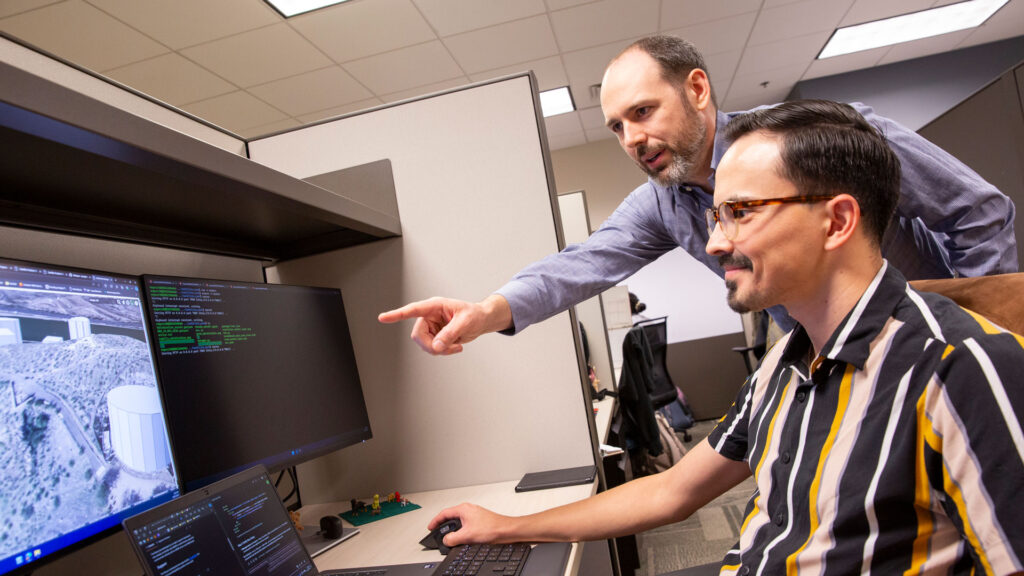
498, 313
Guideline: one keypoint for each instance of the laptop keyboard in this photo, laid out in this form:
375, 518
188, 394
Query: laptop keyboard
485, 559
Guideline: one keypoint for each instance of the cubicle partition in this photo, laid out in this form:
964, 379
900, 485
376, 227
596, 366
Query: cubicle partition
476, 203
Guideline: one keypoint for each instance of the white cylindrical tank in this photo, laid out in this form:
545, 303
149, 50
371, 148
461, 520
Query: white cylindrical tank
79, 327
10, 331
137, 432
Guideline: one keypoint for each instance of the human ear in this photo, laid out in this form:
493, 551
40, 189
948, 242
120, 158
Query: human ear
699, 88
843, 220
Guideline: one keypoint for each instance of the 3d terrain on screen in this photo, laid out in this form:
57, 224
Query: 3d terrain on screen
81, 430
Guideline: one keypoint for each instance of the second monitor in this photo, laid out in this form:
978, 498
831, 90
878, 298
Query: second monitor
253, 374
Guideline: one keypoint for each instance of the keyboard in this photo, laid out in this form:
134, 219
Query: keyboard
485, 560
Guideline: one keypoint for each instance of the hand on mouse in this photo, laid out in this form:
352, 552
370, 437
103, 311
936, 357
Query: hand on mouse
479, 526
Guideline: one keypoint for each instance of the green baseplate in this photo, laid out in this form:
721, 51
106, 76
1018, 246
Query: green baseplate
387, 510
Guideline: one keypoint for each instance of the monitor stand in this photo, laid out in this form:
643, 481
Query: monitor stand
315, 543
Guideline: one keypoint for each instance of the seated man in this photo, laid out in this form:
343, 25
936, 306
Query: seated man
883, 433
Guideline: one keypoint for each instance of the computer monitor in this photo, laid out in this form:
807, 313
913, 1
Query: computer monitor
81, 422
253, 373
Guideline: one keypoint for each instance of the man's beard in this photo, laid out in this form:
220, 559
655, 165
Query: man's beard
736, 259
685, 153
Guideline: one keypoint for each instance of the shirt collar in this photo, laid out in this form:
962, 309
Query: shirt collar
851, 341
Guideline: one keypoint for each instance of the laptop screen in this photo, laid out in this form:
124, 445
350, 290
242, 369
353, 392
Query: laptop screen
237, 526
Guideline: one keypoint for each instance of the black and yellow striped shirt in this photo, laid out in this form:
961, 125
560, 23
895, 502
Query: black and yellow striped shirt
901, 452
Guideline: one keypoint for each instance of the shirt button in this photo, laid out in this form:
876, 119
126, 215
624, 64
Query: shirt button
744, 571
780, 519
785, 457
801, 396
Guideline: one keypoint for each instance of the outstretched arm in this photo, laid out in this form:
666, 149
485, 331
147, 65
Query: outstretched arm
443, 325
639, 505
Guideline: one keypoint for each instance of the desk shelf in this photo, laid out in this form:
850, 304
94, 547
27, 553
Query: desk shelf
78, 165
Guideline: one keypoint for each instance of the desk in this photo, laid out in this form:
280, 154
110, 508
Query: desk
396, 540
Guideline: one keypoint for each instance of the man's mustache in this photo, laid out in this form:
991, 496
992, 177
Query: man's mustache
735, 260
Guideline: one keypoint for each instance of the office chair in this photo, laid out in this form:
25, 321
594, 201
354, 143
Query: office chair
663, 391
999, 298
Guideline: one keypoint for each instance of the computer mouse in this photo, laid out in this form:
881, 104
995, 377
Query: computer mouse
435, 540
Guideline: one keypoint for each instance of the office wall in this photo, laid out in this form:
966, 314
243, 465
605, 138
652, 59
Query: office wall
475, 203
105, 91
986, 132
915, 92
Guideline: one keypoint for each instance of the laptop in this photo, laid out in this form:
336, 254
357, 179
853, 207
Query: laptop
238, 526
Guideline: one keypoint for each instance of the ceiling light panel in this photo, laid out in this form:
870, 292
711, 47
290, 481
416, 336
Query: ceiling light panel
907, 27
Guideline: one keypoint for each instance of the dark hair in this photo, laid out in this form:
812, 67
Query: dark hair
829, 148
676, 58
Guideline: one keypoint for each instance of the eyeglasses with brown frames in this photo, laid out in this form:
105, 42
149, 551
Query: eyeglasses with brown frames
725, 214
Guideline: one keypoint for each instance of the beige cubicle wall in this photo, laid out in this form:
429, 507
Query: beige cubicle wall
590, 313
473, 189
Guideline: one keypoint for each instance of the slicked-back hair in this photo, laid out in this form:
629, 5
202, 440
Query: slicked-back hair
829, 148
675, 57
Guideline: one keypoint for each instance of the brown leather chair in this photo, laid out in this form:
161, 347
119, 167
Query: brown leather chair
999, 298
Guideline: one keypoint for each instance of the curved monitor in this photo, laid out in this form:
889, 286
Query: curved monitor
253, 374
81, 422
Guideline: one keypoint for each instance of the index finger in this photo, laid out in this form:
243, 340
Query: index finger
414, 310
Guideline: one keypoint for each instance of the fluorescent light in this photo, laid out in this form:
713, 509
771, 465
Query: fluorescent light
556, 101
909, 27
289, 8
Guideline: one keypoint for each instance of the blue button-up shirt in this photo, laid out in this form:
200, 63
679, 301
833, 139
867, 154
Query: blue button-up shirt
949, 221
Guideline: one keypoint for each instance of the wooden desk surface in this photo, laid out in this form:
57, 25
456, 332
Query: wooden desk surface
395, 540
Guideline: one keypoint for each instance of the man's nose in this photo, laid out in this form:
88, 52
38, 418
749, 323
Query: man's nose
718, 244
632, 135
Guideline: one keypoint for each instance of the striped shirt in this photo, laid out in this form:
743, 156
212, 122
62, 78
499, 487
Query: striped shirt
902, 452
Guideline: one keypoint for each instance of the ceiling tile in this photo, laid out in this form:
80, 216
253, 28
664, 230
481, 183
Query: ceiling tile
424, 90
340, 110
845, 63
312, 91
924, 47
12, 7
454, 16
236, 111
172, 79
721, 69
355, 30
550, 72
182, 23
722, 35
503, 45
597, 23
871, 10
82, 34
406, 68
747, 90
561, 4
684, 13
593, 119
568, 123
259, 56
268, 129
1006, 23
797, 19
586, 68
789, 52
561, 141
602, 134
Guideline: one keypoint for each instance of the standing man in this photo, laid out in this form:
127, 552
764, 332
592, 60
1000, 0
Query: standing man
657, 99
883, 433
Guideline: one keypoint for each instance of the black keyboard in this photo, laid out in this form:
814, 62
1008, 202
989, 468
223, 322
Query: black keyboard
485, 560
